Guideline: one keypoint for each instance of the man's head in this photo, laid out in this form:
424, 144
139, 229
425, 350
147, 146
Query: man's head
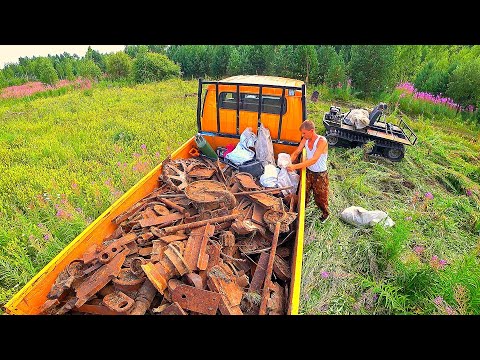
308, 129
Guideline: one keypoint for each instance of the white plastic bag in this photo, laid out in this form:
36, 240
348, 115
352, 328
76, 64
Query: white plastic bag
288, 178
269, 176
242, 153
358, 216
283, 160
264, 146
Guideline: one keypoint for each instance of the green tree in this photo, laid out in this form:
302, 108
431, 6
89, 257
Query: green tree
219, 62
464, 86
325, 54
149, 67
45, 72
336, 72
407, 62
370, 68
88, 69
234, 66
119, 65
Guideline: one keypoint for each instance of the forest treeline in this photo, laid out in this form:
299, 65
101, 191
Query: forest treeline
368, 70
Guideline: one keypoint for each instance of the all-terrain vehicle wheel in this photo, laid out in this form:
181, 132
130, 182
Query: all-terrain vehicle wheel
395, 154
332, 139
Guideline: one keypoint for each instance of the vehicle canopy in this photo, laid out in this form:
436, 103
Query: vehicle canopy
232, 104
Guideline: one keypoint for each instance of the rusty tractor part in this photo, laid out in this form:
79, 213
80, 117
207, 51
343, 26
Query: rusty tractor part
281, 268
209, 194
195, 280
118, 301
246, 180
173, 309
144, 298
271, 217
126, 280
173, 229
136, 265
195, 250
173, 206
221, 280
198, 300
111, 250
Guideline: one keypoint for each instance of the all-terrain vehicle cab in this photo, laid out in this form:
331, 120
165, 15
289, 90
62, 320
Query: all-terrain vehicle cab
359, 126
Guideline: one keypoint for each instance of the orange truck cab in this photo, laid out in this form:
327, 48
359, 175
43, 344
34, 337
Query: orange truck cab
225, 109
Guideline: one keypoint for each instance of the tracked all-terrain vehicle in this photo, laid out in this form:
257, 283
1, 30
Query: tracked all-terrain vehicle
389, 139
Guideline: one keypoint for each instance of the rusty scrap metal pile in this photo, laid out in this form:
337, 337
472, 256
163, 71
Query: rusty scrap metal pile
208, 240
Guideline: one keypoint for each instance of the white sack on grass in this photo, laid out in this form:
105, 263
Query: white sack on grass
264, 146
358, 216
242, 153
284, 160
269, 176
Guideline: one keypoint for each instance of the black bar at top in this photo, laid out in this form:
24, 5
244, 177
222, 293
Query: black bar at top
247, 84
235, 136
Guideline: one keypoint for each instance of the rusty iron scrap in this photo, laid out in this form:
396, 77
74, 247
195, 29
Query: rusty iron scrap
208, 240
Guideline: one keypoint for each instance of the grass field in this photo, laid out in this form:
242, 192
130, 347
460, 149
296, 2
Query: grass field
66, 158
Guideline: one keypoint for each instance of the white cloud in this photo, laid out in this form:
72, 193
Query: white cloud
11, 53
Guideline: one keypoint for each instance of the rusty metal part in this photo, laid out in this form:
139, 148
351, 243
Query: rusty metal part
268, 274
62, 283
145, 251
106, 290
157, 250
276, 302
49, 307
285, 218
174, 174
132, 248
195, 280
111, 250
91, 253
221, 219
126, 280
243, 281
281, 268
201, 173
161, 220
257, 215
172, 205
115, 235
246, 180
99, 278
259, 275
157, 275
221, 280
144, 298
144, 238
265, 200
200, 191
118, 301
174, 255
283, 251
95, 309
195, 254
173, 283
76, 269
161, 210
244, 227
69, 305
173, 309
136, 265
171, 238
198, 300
148, 213
264, 191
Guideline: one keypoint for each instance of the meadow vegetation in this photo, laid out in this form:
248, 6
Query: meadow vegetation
66, 158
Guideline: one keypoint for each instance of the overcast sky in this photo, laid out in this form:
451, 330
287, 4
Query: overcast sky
11, 53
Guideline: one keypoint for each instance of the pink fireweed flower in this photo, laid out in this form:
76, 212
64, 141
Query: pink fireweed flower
46, 236
74, 185
418, 249
325, 274
438, 300
429, 195
408, 218
136, 155
469, 192
144, 147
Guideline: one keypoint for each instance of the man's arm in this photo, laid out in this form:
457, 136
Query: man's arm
320, 149
298, 150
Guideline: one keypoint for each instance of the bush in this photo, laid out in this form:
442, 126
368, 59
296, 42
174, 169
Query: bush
45, 72
150, 67
119, 66
88, 69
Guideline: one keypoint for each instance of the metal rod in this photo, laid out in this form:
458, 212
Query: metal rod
218, 107
281, 113
196, 224
304, 104
238, 110
259, 121
268, 274
161, 196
